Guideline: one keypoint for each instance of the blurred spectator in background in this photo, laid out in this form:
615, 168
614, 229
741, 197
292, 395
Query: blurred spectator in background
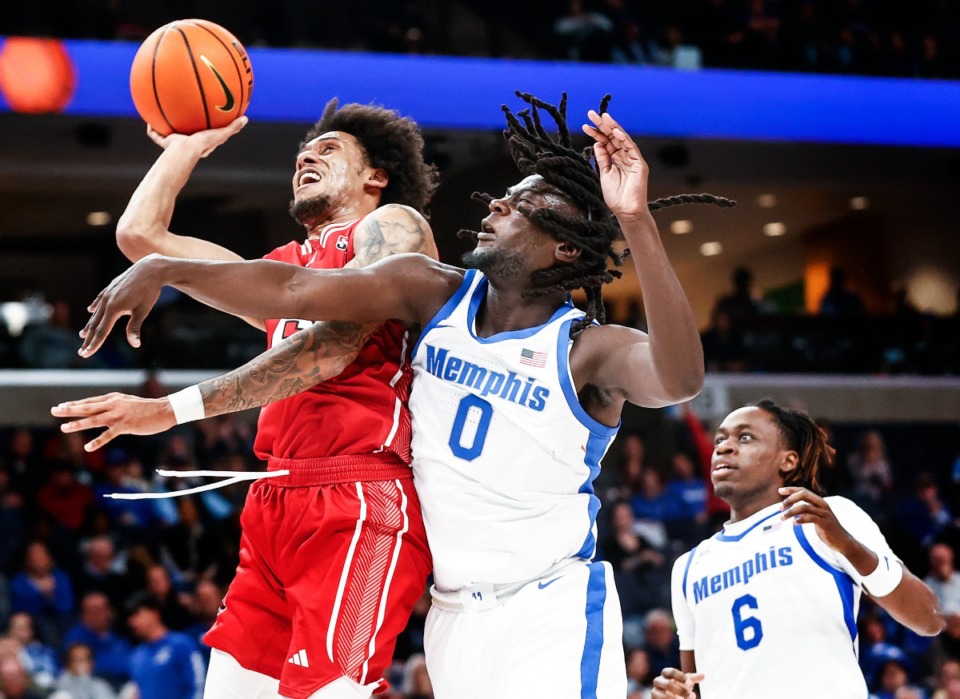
65, 499
723, 347
111, 652
37, 658
13, 524
583, 35
416, 680
52, 344
104, 571
660, 641
77, 680
15, 681
43, 591
871, 474
838, 300
639, 674
741, 306
167, 663
170, 602
946, 646
23, 463
948, 681
923, 513
204, 605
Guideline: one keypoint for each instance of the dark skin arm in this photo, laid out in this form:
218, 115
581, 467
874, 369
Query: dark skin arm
911, 603
408, 287
613, 364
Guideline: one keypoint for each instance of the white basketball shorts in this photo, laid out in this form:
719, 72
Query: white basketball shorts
559, 637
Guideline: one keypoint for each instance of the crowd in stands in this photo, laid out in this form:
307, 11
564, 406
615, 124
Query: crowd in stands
746, 333
98, 595
865, 37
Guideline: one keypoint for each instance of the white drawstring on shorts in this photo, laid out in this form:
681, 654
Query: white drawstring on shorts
228, 478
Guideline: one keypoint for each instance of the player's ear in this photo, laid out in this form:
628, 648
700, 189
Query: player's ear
566, 252
789, 462
377, 177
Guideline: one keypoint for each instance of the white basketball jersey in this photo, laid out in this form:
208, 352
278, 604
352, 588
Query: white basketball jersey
504, 456
770, 610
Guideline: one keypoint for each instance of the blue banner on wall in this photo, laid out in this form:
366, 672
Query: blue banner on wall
466, 93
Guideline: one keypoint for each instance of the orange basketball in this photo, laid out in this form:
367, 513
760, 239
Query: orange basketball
190, 75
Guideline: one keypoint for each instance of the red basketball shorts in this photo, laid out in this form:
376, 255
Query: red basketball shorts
328, 574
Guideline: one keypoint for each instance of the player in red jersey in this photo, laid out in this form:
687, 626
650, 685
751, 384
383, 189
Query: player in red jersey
334, 554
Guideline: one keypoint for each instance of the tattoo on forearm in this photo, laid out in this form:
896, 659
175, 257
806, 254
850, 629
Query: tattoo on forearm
305, 359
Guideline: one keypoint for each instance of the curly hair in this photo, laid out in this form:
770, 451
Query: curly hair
389, 141
576, 177
800, 434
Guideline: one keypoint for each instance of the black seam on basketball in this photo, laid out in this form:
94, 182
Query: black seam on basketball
196, 72
235, 64
153, 78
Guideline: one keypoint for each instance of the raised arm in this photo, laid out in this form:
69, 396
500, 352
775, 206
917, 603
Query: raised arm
144, 226
666, 366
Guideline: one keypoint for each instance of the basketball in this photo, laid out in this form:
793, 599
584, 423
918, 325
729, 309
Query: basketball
190, 75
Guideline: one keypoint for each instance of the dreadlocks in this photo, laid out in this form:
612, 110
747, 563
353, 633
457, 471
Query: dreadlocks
804, 436
391, 142
577, 178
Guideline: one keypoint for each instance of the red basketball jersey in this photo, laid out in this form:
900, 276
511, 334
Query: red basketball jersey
364, 410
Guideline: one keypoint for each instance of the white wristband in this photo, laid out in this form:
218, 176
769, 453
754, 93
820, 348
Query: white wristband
885, 577
187, 404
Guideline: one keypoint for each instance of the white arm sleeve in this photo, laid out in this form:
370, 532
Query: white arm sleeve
682, 616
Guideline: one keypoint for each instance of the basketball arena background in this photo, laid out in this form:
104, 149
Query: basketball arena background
833, 124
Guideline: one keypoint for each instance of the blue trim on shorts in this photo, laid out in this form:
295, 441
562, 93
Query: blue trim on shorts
843, 581
593, 643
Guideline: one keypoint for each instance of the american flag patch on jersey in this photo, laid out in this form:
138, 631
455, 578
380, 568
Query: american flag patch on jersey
531, 358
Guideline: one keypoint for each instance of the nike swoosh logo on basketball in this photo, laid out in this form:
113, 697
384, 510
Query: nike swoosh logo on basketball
231, 102
542, 584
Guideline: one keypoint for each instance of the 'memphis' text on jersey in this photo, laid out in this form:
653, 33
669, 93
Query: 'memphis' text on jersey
512, 387
741, 574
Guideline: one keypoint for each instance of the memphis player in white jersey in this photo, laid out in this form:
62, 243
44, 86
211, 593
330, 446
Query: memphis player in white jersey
515, 399
768, 606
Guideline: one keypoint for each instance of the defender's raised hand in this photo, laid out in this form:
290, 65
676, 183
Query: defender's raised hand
132, 294
623, 171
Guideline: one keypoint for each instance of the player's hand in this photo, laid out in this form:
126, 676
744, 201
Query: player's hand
675, 684
132, 294
623, 171
119, 413
205, 141
806, 507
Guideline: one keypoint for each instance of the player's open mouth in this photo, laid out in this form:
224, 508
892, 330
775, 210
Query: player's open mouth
723, 467
307, 177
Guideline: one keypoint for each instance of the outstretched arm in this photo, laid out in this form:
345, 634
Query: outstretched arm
291, 366
400, 287
666, 366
